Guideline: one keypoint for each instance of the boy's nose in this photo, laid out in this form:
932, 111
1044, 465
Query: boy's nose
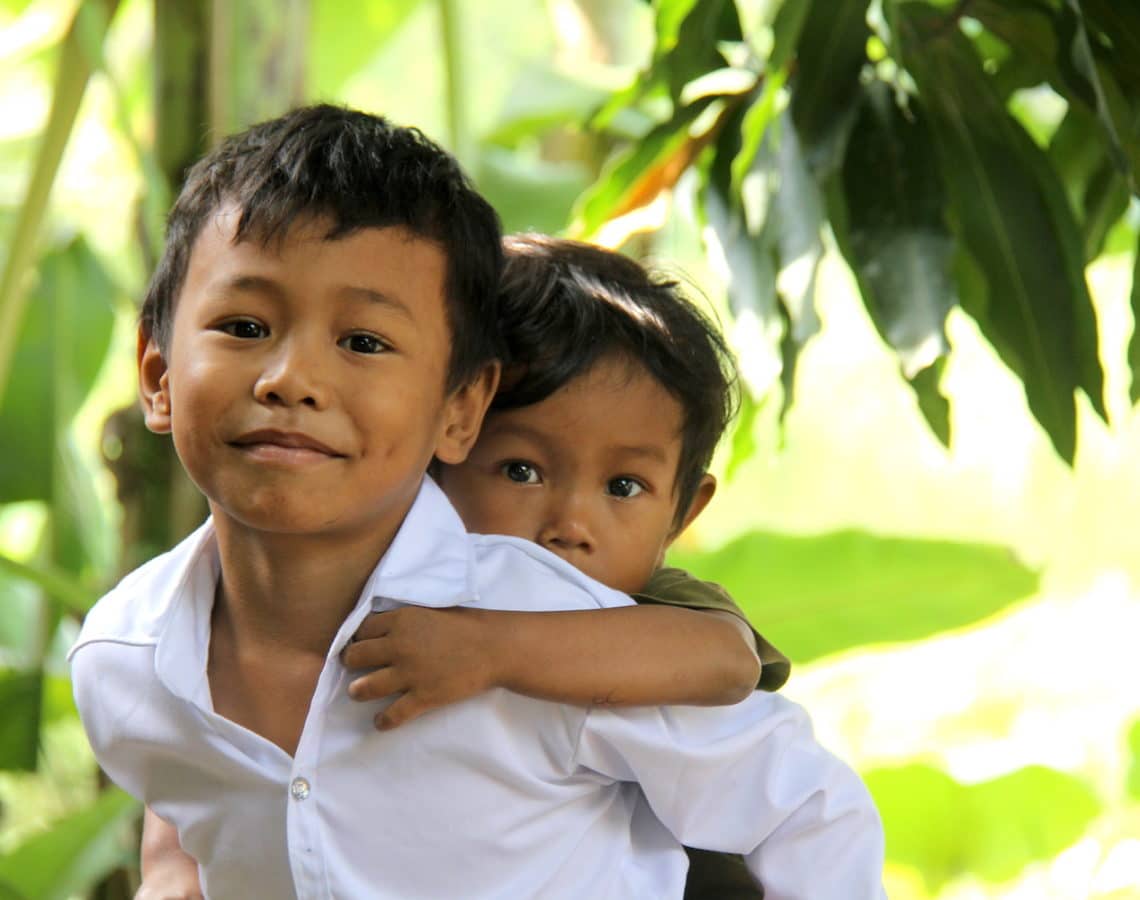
290, 378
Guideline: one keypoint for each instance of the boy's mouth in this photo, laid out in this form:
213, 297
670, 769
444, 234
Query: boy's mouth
284, 445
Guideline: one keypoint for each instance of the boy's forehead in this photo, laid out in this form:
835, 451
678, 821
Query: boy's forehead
391, 262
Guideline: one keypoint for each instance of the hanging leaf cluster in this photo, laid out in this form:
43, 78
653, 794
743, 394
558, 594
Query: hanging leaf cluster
891, 129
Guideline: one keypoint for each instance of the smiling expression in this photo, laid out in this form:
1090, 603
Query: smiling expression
589, 473
304, 384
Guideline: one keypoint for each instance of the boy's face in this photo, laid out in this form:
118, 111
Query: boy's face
304, 383
589, 473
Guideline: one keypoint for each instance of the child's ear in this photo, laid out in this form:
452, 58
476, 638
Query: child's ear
463, 415
701, 498
154, 387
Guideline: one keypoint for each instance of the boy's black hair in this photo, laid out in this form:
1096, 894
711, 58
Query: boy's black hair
565, 305
358, 171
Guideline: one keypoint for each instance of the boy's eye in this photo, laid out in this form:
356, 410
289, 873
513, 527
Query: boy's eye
246, 329
521, 472
624, 487
363, 343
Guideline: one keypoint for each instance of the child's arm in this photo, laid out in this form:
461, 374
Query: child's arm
626, 656
168, 872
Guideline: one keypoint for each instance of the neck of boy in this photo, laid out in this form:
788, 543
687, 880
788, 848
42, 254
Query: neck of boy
291, 592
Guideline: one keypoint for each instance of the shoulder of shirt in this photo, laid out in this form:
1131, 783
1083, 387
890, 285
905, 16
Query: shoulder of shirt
132, 612
506, 563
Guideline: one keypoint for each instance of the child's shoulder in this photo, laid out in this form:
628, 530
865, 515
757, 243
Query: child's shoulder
516, 574
132, 611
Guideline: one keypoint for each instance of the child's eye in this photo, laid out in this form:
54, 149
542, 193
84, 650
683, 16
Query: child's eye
363, 343
246, 329
624, 487
521, 472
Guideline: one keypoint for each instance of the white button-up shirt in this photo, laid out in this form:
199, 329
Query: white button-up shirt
501, 796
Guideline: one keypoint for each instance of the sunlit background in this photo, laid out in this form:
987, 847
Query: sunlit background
963, 620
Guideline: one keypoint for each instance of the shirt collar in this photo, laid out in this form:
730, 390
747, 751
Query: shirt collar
430, 562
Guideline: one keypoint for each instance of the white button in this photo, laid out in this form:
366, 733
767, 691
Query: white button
299, 788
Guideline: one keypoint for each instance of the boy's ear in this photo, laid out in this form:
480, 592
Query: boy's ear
463, 415
701, 498
154, 387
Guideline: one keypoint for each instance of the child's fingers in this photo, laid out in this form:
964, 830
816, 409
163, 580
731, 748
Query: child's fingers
376, 685
370, 653
375, 626
405, 708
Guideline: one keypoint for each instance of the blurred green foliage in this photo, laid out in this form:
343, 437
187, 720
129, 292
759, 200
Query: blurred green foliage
959, 162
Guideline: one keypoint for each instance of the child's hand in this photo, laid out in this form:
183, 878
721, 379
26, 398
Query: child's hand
431, 657
173, 879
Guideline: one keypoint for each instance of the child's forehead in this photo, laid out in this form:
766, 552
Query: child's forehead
617, 390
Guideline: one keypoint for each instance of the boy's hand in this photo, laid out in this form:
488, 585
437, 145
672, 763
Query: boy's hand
431, 657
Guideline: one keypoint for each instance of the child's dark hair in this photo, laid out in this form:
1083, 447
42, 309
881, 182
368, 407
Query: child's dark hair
565, 305
358, 171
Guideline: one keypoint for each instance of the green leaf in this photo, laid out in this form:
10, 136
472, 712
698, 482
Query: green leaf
897, 243
1011, 213
817, 595
1097, 192
75, 853
1052, 38
70, 85
1118, 25
21, 698
64, 339
829, 57
1134, 342
636, 174
991, 830
1083, 61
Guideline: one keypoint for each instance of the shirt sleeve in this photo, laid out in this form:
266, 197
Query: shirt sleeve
748, 779
675, 587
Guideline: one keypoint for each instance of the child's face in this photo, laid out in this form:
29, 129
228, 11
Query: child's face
588, 473
304, 383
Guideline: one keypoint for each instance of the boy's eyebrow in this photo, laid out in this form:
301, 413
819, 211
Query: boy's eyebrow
263, 285
379, 297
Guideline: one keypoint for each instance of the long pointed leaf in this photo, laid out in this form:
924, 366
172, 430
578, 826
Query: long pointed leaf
990, 830
821, 594
1014, 219
70, 85
897, 241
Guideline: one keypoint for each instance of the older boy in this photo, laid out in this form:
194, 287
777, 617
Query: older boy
326, 343
600, 350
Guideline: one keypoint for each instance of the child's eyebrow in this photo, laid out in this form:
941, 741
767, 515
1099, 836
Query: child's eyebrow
259, 284
378, 297
521, 429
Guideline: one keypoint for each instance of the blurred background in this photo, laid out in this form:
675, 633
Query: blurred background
917, 222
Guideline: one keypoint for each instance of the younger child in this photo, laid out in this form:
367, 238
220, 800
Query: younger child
616, 393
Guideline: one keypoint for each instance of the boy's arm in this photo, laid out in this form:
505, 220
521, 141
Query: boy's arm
623, 656
168, 872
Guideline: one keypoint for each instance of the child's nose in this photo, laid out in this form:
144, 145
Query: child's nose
291, 377
567, 528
